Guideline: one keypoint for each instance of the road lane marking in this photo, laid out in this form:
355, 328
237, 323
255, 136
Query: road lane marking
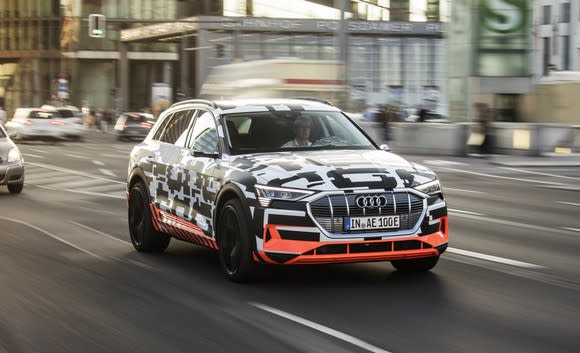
572, 229
318, 327
32, 155
72, 171
75, 155
464, 190
501, 260
466, 212
107, 172
546, 230
38, 150
540, 173
568, 203
504, 177
99, 232
52, 236
99, 163
113, 196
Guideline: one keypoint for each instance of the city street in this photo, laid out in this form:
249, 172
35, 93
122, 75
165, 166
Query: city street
72, 282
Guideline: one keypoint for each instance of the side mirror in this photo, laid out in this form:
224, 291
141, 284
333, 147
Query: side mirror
385, 147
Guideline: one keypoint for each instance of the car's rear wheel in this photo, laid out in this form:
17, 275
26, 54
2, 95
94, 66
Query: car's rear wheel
15, 188
416, 265
143, 236
234, 243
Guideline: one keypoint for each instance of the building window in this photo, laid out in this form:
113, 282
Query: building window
565, 53
565, 12
546, 14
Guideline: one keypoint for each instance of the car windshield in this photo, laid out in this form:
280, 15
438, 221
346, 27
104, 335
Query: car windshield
295, 130
42, 115
137, 118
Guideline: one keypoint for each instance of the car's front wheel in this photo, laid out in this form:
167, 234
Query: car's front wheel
143, 236
234, 243
416, 265
15, 188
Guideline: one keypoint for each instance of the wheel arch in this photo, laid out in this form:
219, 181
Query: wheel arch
228, 192
137, 175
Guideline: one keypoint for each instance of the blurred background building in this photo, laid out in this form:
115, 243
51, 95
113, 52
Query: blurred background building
46, 54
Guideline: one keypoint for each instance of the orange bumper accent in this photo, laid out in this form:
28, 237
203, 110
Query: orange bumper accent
309, 252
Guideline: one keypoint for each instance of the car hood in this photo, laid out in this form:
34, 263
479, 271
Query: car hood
333, 170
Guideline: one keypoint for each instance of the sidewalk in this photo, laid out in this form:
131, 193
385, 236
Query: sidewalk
551, 160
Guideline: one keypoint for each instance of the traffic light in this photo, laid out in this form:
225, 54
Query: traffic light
97, 24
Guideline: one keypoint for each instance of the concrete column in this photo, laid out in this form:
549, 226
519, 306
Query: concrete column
184, 66
572, 38
123, 94
167, 73
201, 65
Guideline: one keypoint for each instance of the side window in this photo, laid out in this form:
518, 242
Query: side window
177, 127
159, 132
204, 136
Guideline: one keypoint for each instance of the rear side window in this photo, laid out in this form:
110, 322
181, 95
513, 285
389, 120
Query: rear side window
40, 115
175, 128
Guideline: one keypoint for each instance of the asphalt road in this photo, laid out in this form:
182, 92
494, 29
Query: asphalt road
71, 281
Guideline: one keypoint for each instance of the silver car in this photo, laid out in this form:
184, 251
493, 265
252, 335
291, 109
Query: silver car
11, 164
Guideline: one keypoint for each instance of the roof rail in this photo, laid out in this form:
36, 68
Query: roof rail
315, 100
196, 101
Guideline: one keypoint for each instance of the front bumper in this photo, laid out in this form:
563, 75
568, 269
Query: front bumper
12, 173
275, 250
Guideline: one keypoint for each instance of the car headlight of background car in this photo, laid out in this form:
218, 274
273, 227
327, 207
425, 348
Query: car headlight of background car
268, 193
430, 188
14, 155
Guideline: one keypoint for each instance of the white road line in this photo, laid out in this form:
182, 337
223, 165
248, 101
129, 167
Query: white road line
99, 232
32, 155
539, 173
108, 155
38, 151
72, 171
463, 190
466, 212
75, 155
544, 229
99, 163
503, 177
501, 260
572, 229
318, 327
113, 196
52, 236
568, 203
107, 172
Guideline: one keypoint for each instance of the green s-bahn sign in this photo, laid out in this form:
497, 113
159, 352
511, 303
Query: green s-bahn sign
504, 16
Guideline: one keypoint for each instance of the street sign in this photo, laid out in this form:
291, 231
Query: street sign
97, 23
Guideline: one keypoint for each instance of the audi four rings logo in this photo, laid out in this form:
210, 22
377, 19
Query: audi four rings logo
376, 201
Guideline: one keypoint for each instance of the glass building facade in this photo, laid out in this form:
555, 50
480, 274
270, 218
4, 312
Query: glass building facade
43, 40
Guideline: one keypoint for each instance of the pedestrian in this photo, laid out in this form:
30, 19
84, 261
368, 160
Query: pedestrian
3, 116
479, 136
386, 117
422, 115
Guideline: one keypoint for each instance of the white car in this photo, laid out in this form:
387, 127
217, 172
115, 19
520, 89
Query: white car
11, 164
73, 120
36, 123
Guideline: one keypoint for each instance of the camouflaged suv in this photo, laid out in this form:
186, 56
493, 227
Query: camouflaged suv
281, 182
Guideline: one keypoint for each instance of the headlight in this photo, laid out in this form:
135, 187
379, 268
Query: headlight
14, 155
268, 193
430, 188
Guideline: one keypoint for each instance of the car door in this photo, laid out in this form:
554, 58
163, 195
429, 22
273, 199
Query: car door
199, 164
168, 184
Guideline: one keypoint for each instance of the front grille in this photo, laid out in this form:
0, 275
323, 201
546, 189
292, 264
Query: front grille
329, 211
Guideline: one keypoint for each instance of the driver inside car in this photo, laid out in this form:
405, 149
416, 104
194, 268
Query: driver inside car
301, 134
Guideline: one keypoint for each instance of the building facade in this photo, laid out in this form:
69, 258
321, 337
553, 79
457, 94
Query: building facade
47, 55
556, 37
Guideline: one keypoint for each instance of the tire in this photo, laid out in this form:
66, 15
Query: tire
234, 243
143, 236
15, 188
416, 265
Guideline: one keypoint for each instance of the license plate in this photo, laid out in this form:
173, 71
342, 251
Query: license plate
370, 223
